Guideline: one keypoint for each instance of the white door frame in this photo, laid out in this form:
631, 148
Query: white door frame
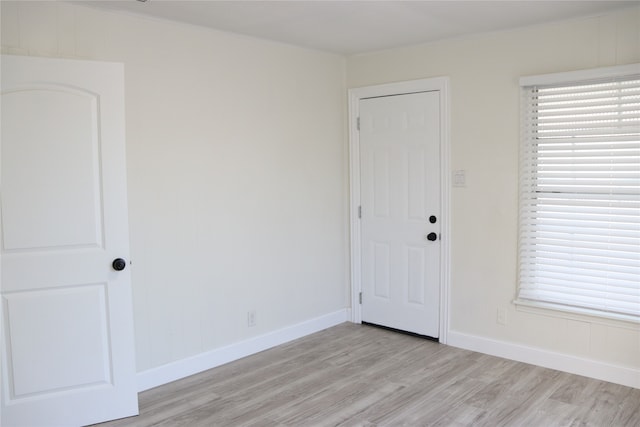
440, 84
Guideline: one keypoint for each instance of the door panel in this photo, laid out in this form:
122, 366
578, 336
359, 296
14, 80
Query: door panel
67, 327
416, 274
43, 362
382, 267
400, 190
381, 184
33, 215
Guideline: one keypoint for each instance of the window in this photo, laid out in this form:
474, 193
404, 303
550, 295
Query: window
579, 243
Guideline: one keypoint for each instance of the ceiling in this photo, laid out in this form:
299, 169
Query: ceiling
352, 27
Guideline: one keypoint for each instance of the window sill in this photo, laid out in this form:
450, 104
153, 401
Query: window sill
580, 314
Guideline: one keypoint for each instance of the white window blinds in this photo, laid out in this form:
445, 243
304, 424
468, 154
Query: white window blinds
580, 195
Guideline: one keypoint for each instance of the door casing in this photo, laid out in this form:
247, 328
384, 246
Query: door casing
440, 84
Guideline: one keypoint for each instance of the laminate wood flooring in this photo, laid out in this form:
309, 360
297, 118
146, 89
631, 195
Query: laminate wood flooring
356, 375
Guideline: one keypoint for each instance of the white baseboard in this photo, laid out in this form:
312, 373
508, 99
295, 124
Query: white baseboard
629, 377
192, 365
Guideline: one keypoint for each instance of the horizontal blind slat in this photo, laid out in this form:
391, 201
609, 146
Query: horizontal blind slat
600, 111
585, 239
631, 153
596, 138
586, 287
526, 268
567, 227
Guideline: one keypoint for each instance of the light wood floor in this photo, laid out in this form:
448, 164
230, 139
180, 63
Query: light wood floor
354, 375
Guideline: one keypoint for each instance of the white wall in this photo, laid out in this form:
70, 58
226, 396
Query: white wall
484, 72
236, 170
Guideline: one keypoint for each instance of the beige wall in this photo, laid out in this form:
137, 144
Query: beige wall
484, 72
236, 170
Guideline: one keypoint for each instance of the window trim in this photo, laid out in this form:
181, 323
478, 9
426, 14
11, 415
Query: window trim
578, 77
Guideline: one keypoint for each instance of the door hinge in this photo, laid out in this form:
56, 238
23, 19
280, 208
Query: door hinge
360, 297
358, 123
359, 211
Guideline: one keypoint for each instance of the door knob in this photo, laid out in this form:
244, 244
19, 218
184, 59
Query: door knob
119, 264
432, 237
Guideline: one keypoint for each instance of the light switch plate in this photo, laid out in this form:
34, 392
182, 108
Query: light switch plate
460, 178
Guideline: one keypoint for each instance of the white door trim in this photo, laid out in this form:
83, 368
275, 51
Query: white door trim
355, 95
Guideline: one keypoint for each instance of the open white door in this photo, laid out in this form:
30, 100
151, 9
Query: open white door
401, 214
67, 327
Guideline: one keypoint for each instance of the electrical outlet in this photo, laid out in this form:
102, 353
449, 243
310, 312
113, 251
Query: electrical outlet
502, 316
251, 318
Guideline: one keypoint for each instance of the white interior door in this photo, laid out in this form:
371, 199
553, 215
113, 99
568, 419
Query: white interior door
67, 328
400, 220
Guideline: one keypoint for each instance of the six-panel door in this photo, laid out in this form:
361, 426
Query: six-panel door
400, 192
